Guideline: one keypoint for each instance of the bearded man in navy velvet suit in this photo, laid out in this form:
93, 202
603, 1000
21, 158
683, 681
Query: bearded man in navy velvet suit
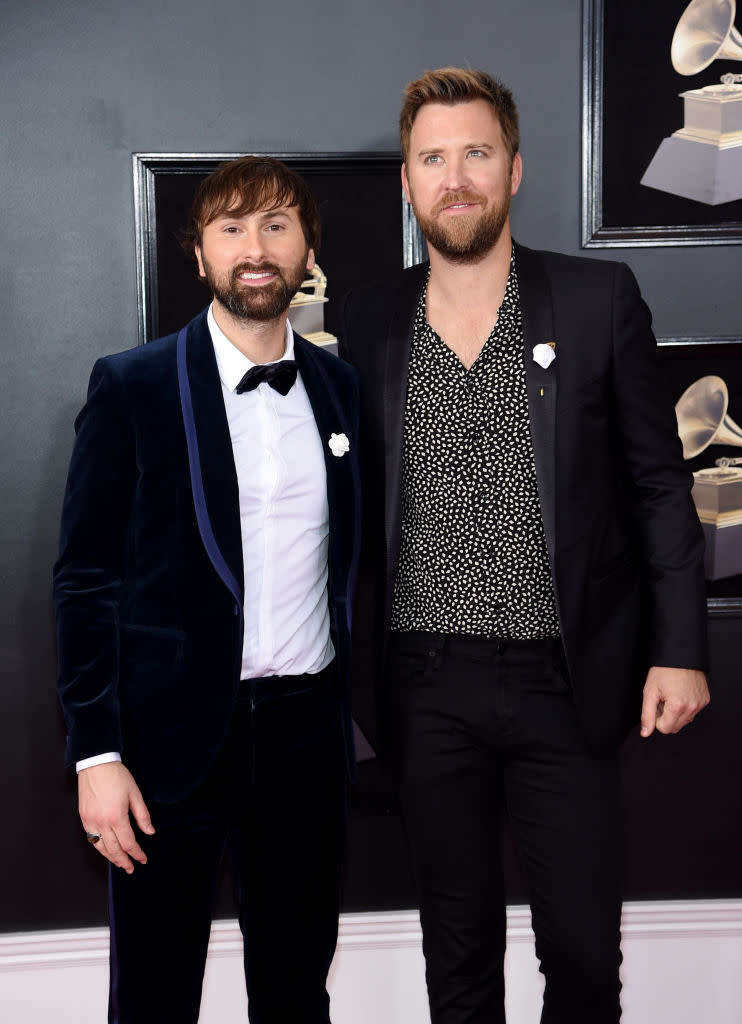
203, 591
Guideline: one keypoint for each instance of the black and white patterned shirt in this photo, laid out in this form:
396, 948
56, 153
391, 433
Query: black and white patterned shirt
473, 558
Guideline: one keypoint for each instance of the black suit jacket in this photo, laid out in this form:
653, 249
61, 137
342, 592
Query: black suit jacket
624, 540
149, 583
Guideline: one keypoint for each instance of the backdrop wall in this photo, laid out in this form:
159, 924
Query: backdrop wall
84, 84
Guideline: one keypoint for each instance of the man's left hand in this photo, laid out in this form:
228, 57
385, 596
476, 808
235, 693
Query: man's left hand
672, 698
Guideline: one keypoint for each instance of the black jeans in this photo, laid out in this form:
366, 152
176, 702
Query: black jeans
276, 801
470, 723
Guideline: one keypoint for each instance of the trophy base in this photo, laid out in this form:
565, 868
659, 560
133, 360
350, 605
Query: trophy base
320, 338
723, 550
695, 169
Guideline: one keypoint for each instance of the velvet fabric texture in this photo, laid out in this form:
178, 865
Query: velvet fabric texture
149, 637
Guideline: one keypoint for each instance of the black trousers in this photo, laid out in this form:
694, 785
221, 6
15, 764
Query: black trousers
474, 724
276, 802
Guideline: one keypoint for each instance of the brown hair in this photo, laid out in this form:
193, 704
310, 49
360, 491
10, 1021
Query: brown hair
459, 85
247, 185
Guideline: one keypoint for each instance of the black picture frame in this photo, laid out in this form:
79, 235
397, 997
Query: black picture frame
683, 365
368, 227
630, 103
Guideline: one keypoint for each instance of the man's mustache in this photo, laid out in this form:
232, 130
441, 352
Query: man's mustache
452, 198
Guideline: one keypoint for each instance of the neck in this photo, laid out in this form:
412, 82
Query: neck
262, 341
472, 287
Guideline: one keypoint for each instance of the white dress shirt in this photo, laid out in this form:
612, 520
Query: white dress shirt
284, 521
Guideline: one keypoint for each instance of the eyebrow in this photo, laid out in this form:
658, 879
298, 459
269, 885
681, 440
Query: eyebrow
278, 211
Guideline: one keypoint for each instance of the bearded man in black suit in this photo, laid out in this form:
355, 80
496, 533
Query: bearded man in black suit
537, 560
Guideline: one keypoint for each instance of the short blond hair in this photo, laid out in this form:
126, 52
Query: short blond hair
459, 85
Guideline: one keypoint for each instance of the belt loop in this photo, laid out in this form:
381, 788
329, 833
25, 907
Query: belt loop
437, 647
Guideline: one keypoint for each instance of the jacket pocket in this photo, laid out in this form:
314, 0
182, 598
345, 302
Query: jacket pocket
147, 649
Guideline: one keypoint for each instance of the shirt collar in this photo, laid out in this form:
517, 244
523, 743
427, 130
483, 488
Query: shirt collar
233, 364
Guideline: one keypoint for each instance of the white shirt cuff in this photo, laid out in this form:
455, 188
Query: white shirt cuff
89, 762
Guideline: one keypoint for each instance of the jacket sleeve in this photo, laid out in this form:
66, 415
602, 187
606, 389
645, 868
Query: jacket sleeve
663, 510
88, 572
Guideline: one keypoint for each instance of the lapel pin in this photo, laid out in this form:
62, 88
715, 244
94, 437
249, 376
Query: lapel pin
544, 354
339, 444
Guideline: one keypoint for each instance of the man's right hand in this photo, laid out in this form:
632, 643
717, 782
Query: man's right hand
107, 794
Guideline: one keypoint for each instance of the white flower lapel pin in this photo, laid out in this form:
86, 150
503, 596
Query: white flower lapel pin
339, 444
544, 354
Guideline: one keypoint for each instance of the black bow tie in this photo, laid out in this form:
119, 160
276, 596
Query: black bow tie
281, 377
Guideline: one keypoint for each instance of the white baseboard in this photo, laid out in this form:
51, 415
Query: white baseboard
682, 965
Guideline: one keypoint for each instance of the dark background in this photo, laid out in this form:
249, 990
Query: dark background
641, 107
84, 84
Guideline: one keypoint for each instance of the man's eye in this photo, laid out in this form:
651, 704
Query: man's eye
476, 152
432, 158
274, 227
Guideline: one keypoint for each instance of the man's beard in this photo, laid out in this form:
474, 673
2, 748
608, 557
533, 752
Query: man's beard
464, 239
257, 302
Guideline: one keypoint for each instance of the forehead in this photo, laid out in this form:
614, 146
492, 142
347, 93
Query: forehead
441, 124
240, 207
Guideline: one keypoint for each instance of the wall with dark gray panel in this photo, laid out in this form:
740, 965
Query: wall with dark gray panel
84, 84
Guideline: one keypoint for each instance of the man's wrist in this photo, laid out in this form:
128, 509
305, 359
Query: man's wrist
90, 762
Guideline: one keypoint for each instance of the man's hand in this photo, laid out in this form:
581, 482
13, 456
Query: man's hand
106, 795
672, 698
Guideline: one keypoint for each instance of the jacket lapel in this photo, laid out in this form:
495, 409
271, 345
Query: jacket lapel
217, 500
398, 346
538, 328
343, 475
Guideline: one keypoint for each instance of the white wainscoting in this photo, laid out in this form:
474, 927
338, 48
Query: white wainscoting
682, 965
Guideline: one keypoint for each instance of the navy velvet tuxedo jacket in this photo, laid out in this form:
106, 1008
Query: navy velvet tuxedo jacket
624, 541
149, 582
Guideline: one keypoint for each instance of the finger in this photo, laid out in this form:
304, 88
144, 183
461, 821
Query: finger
127, 842
111, 848
674, 717
108, 846
141, 814
651, 712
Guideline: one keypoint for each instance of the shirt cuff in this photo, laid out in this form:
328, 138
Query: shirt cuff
89, 762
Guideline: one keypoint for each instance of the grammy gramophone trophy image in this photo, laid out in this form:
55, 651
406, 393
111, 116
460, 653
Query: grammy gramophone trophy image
703, 159
704, 420
307, 311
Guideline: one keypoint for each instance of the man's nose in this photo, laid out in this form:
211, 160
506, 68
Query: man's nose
254, 245
455, 176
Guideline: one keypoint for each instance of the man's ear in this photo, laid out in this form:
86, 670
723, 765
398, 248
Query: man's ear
517, 174
405, 183
201, 271
310, 259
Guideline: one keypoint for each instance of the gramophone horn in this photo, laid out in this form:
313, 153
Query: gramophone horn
705, 33
702, 417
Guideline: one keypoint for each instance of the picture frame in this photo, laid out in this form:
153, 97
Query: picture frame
684, 364
368, 228
630, 103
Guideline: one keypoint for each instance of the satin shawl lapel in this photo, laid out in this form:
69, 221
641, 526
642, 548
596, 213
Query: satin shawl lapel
538, 326
343, 474
218, 506
398, 346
